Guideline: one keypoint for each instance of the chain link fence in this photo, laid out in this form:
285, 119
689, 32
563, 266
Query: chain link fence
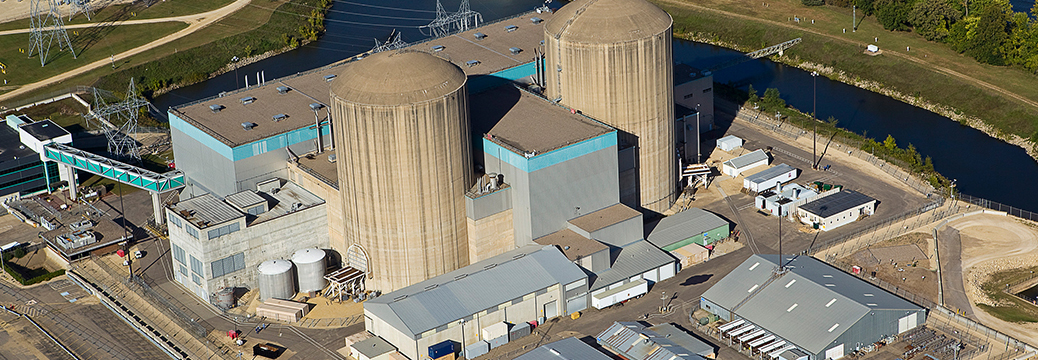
1020, 213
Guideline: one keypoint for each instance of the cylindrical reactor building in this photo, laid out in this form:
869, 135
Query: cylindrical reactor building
612, 60
276, 280
401, 125
310, 267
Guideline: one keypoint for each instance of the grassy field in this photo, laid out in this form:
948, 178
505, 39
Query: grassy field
135, 11
1011, 308
90, 45
826, 44
66, 113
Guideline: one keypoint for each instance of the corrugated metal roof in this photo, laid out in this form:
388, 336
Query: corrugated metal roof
752, 157
836, 203
206, 210
636, 342
569, 348
770, 173
474, 288
672, 334
729, 138
827, 300
636, 258
573, 245
604, 218
683, 225
245, 199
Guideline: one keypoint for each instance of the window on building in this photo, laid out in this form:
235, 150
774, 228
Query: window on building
256, 210
183, 270
174, 220
707, 90
223, 230
689, 96
196, 266
178, 254
197, 280
191, 231
228, 265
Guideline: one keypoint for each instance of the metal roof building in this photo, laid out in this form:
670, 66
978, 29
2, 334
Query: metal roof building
694, 225
475, 297
811, 306
737, 166
838, 209
634, 341
768, 178
569, 348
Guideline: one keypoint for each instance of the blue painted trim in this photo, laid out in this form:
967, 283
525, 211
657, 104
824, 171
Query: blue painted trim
550, 158
277, 142
482, 83
200, 136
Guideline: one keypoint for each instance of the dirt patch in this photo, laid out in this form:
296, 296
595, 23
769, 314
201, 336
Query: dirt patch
904, 261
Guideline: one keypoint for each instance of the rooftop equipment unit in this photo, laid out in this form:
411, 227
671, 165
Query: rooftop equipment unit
536, 20
331, 158
280, 117
511, 28
472, 63
248, 100
437, 48
216, 108
329, 77
515, 50
248, 125
316, 106
480, 36
283, 89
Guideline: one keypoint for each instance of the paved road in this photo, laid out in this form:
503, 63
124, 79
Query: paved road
200, 21
950, 246
190, 19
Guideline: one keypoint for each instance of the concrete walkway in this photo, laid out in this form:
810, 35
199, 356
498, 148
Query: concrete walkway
951, 272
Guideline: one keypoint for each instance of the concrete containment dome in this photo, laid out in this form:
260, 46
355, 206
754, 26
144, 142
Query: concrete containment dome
397, 77
613, 61
276, 280
401, 125
310, 267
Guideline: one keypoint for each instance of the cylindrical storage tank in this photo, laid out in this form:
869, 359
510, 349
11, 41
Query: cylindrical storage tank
225, 298
612, 60
276, 280
401, 127
310, 267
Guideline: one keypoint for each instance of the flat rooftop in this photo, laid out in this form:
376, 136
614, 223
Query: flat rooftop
684, 73
44, 130
319, 166
573, 245
310, 87
207, 210
601, 219
11, 146
524, 122
836, 203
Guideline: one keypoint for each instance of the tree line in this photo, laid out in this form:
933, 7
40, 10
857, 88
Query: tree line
986, 30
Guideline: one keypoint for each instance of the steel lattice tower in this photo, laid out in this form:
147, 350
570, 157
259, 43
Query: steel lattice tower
121, 141
47, 26
79, 6
448, 23
394, 42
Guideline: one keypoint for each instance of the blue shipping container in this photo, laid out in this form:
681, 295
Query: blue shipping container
441, 349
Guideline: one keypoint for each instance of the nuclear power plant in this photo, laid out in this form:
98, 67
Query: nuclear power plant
546, 129
613, 60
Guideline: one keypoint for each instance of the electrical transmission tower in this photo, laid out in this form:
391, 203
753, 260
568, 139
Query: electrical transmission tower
394, 42
79, 6
121, 140
448, 23
46, 27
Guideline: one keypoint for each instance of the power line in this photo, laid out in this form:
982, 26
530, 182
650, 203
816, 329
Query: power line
447, 23
47, 26
384, 7
334, 20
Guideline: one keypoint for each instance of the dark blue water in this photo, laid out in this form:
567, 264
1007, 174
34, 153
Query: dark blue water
983, 166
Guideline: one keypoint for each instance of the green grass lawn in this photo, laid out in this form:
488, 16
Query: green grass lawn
845, 53
1011, 308
112, 13
66, 113
90, 45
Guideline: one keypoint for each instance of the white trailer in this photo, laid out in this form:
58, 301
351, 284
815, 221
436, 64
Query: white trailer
620, 293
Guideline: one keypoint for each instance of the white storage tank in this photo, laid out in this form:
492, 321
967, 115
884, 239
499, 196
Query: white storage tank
276, 280
310, 266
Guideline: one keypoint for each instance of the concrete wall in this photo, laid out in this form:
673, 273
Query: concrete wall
697, 92
332, 199
206, 169
491, 236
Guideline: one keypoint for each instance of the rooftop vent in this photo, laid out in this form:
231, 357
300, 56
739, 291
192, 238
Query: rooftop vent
316, 106
216, 108
472, 63
280, 117
536, 20
515, 50
331, 158
480, 36
511, 28
283, 89
248, 125
329, 77
437, 48
248, 100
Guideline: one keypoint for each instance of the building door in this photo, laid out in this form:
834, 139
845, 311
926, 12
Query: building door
907, 323
835, 352
551, 309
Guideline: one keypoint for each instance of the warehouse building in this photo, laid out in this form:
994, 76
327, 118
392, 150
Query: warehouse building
634, 341
463, 302
839, 209
219, 243
741, 164
768, 178
569, 348
23, 171
809, 306
782, 203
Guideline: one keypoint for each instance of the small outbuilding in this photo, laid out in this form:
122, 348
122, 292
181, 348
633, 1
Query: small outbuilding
691, 254
767, 179
779, 204
729, 143
836, 210
739, 165
687, 227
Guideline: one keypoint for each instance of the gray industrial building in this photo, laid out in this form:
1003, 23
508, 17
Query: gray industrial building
531, 283
569, 348
635, 341
219, 243
693, 225
809, 305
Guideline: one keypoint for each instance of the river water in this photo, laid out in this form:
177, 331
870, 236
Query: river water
983, 166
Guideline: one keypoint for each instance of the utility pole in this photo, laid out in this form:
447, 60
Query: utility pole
854, 19
814, 108
699, 143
